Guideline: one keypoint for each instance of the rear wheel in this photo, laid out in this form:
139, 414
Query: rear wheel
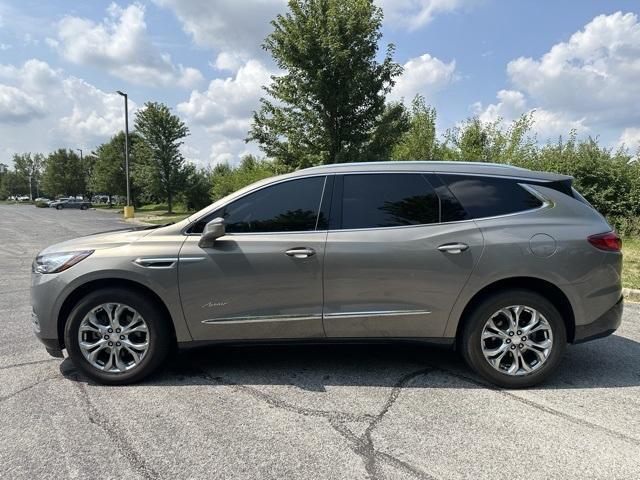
116, 336
58, 207
83, 207
514, 339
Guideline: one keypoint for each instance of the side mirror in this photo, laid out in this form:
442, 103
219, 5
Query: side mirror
212, 231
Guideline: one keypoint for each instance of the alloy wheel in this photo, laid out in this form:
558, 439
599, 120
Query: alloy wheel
113, 337
516, 340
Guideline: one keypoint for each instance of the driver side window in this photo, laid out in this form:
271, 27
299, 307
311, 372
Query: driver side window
291, 206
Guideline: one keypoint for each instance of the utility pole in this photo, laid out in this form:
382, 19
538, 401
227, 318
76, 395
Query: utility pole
82, 167
128, 211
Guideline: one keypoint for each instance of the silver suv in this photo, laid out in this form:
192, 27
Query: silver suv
506, 265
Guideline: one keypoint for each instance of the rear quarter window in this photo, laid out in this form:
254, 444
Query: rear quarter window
490, 196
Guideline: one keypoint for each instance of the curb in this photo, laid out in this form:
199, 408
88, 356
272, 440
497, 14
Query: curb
134, 220
631, 294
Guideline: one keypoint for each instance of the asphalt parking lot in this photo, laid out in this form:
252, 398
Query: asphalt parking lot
335, 412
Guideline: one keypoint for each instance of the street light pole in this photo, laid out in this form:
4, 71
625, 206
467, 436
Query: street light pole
128, 210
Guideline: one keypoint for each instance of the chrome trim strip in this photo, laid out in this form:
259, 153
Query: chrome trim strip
191, 259
380, 313
148, 262
260, 319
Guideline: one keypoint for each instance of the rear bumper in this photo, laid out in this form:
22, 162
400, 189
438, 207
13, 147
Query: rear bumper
604, 325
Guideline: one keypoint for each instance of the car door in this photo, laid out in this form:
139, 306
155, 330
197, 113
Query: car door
263, 278
392, 267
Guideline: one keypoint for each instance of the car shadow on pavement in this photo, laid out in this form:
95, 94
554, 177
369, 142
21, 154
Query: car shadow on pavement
611, 362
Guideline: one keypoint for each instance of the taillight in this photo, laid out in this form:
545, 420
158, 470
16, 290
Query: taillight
609, 241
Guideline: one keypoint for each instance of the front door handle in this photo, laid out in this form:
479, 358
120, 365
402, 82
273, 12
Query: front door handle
304, 252
453, 247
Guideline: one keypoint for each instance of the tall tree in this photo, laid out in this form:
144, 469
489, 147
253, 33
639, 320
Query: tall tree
161, 133
65, 174
326, 106
29, 168
12, 184
419, 142
108, 172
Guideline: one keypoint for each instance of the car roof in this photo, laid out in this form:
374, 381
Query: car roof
477, 168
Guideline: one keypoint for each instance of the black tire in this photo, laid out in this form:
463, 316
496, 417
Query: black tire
58, 207
159, 335
83, 207
471, 346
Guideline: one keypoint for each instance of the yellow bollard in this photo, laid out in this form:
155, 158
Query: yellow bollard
128, 211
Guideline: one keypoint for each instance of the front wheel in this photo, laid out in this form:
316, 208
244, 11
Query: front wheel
58, 207
514, 339
117, 336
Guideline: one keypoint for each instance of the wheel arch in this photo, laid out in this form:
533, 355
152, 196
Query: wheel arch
82, 290
547, 289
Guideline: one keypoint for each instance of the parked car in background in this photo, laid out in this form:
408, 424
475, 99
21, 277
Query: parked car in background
42, 199
70, 203
23, 198
506, 265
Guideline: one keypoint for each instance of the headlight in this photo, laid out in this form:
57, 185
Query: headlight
58, 262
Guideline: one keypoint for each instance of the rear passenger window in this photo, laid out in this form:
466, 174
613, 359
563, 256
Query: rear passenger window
388, 200
490, 196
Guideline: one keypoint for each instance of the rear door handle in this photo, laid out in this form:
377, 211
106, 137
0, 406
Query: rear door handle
304, 252
453, 247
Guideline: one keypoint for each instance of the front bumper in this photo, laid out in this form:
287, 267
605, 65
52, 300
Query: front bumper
52, 345
604, 325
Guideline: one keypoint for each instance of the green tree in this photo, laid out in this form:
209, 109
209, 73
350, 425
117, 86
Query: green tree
108, 174
11, 183
326, 106
163, 170
196, 194
394, 123
419, 142
65, 174
29, 168
227, 180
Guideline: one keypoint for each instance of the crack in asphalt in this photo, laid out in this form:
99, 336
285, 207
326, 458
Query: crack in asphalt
542, 408
281, 404
362, 445
36, 362
118, 440
28, 387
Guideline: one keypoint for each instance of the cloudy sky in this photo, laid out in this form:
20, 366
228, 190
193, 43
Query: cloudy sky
575, 63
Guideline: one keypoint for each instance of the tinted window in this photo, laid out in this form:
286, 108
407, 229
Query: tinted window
489, 196
450, 208
285, 207
388, 200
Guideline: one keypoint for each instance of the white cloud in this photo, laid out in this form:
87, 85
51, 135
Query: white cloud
512, 104
425, 75
414, 14
590, 83
596, 74
56, 111
228, 100
236, 27
17, 106
120, 45
228, 61
222, 112
630, 139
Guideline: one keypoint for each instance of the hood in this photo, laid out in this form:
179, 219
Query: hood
99, 241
